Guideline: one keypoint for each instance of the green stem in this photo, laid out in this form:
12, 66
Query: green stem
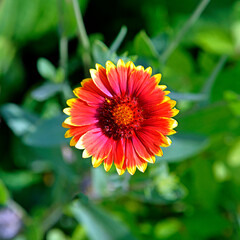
64, 55
83, 38
206, 90
194, 17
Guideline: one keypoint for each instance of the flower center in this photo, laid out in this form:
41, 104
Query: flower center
119, 117
122, 114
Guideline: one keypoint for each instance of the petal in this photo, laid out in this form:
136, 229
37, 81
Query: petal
99, 77
96, 162
86, 154
133, 160
163, 109
119, 152
161, 124
108, 162
96, 144
122, 75
153, 99
142, 150
112, 75
78, 130
152, 140
80, 114
148, 85
89, 85
136, 79
90, 98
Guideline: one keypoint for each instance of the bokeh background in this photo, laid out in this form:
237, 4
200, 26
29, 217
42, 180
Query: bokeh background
47, 191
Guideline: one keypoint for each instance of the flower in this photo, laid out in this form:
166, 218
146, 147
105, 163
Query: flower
122, 116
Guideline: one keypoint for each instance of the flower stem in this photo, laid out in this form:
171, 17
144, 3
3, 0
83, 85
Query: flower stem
83, 38
194, 17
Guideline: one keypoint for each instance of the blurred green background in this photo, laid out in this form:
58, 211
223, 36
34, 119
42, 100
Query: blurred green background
47, 191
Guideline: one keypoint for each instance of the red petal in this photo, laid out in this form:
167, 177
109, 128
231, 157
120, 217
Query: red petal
142, 150
151, 139
161, 124
119, 153
108, 162
123, 75
96, 143
113, 78
91, 98
163, 109
153, 99
89, 85
99, 77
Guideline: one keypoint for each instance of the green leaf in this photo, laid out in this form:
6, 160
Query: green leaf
46, 91
46, 69
143, 46
19, 120
206, 120
7, 50
101, 53
19, 179
98, 223
215, 40
4, 195
47, 133
184, 146
234, 155
167, 228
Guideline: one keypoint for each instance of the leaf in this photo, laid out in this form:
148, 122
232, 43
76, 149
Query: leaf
183, 146
98, 223
101, 53
234, 155
46, 91
4, 195
207, 120
215, 40
47, 133
19, 179
19, 120
143, 46
7, 50
46, 69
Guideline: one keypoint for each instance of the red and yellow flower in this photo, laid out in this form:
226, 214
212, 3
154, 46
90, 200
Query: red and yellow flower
122, 116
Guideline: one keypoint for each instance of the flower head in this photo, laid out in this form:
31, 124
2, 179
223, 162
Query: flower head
122, 116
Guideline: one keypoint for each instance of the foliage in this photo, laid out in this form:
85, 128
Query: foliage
48, 191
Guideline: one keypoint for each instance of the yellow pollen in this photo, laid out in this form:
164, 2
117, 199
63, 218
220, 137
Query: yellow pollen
122, 114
